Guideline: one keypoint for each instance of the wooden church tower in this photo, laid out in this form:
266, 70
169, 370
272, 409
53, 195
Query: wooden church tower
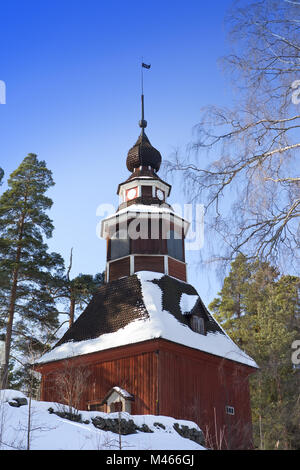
146, 338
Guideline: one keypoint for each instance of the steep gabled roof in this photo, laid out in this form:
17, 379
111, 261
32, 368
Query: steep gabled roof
142, 307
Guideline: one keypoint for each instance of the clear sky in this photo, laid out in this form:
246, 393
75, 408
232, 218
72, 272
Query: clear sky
72, 74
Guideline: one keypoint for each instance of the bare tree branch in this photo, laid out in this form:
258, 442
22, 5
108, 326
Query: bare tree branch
243, 161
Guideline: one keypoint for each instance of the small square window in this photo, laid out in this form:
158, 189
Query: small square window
229, 410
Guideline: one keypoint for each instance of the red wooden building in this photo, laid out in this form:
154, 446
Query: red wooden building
146, 338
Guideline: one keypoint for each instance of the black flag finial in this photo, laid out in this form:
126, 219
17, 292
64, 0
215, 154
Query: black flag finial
143, 122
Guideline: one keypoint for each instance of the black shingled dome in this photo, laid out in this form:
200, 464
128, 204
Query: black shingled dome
143, 154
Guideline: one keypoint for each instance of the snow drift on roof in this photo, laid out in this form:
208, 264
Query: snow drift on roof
187, 303
159, 323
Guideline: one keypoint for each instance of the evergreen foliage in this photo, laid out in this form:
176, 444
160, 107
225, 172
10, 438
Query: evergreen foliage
27, 312
74, 293
259, 309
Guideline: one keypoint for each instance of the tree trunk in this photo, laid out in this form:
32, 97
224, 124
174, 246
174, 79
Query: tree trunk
72, 311
11, 312
285, 438
12, 304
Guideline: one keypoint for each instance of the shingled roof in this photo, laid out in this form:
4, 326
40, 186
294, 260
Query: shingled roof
116, 304
141, 307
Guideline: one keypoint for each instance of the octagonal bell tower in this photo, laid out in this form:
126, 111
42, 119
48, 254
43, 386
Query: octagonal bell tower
145, 234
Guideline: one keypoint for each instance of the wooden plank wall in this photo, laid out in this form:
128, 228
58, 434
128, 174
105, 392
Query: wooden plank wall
199, 388
172, 380
137, 374
149, 263
119, 268
177, 269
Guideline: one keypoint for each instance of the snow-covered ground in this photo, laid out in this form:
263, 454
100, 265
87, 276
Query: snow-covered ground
50, 432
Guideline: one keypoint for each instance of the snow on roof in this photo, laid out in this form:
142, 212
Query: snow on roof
159, 324
122, 392
214, 343
143, 208
187, 303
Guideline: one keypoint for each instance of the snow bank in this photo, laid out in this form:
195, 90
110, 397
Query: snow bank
50, 432
9, 395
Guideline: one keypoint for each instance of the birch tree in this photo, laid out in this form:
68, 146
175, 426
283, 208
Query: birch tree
243, 161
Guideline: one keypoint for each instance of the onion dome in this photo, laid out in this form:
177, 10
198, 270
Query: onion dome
143, 154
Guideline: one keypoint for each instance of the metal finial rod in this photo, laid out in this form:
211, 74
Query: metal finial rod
143, 122
142, 107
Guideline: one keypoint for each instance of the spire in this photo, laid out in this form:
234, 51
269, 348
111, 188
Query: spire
143, 122
143, 153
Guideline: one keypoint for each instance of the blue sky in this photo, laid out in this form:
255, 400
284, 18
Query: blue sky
72, 74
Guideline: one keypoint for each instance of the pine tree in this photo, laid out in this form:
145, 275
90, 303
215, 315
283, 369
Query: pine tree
266, 328
74, 293
28, 312
79, 291
242, 289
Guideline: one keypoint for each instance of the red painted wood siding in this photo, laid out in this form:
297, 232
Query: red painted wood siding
177, 269
172, 380
198, 386
149, 263
137, 374
119, 268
